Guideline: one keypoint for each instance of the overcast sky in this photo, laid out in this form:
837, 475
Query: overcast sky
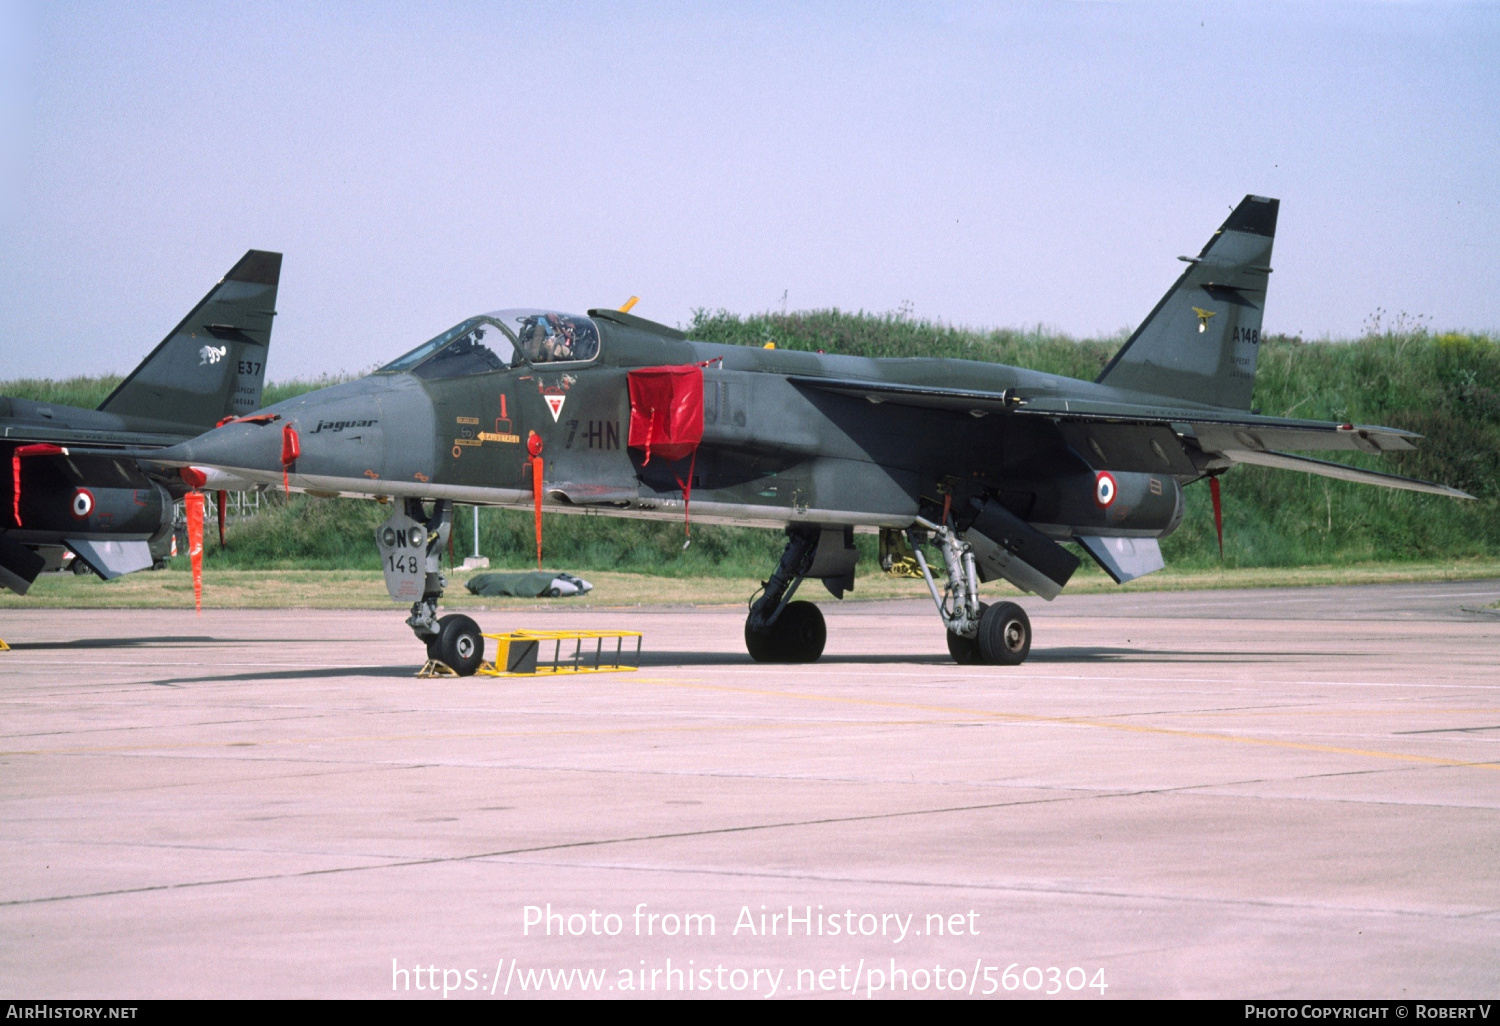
990, 164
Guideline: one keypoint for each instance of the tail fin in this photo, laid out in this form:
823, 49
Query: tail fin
213, 364
1200, 342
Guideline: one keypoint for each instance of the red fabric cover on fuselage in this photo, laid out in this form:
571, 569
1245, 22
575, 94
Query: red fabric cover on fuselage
666, 411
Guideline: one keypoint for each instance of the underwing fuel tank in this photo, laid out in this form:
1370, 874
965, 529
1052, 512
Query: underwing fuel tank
1109, 504
1116, 517
58, 502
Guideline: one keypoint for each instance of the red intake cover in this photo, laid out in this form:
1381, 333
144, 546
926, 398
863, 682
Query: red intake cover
666, 410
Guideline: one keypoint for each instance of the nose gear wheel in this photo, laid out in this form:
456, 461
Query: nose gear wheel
458, 644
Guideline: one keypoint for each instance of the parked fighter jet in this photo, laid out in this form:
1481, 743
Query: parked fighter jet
70, 488
991, 466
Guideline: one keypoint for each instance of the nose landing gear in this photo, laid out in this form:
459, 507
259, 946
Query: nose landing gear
411, 547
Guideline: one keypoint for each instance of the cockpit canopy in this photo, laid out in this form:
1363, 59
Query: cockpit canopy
547, 337
502, 339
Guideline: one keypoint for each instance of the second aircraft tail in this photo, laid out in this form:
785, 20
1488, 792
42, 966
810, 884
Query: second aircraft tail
213, 364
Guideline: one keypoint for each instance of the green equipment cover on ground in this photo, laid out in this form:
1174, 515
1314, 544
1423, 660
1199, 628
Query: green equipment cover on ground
535, 584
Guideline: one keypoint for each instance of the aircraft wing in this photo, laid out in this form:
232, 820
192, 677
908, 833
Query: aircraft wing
1163, 438
959, 400
1341, 471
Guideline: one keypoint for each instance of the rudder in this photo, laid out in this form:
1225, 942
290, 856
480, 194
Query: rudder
1201, 341
213, 364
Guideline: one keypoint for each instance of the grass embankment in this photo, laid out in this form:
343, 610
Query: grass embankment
87, 392
1445, 386
365, 589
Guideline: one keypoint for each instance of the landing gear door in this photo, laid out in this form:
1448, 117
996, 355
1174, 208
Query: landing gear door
1006, 546
403, 551
835, 560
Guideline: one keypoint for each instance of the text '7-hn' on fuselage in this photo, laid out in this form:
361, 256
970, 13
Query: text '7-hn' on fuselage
988, 466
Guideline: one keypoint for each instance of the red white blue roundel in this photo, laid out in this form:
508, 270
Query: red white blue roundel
83, 503
1105, 488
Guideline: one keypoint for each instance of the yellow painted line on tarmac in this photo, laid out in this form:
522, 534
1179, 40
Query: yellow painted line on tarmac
357, 738
951, 714
1074, 721
1414, 713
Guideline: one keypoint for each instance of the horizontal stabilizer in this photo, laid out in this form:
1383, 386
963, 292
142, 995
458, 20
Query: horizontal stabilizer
111, 559
1124, 559
1341, 471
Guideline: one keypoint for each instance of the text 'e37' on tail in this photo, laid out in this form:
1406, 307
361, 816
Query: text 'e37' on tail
213, 364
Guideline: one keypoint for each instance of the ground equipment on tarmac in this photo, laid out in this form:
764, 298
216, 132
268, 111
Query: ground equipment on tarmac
523, 654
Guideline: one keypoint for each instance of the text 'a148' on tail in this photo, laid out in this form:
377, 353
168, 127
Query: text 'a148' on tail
1201, 342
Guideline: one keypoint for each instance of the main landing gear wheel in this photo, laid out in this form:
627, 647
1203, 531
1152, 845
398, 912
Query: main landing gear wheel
1004, 635
797, 636
457, 643
965, 651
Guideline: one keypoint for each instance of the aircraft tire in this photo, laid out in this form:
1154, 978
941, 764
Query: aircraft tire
457, 643
797, 636
965, 651
1004, 635
761, 645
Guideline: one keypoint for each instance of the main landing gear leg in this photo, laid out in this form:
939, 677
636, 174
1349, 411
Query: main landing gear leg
978, 633
779, 630
453, 640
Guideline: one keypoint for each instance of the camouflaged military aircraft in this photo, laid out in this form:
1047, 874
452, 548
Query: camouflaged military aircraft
73, 497
993, 467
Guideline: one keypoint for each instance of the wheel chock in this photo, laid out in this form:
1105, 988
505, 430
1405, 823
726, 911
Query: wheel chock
436, 668
3, 646
522, 653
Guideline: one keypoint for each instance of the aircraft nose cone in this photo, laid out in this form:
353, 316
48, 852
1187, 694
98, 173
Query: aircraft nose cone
234, 448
